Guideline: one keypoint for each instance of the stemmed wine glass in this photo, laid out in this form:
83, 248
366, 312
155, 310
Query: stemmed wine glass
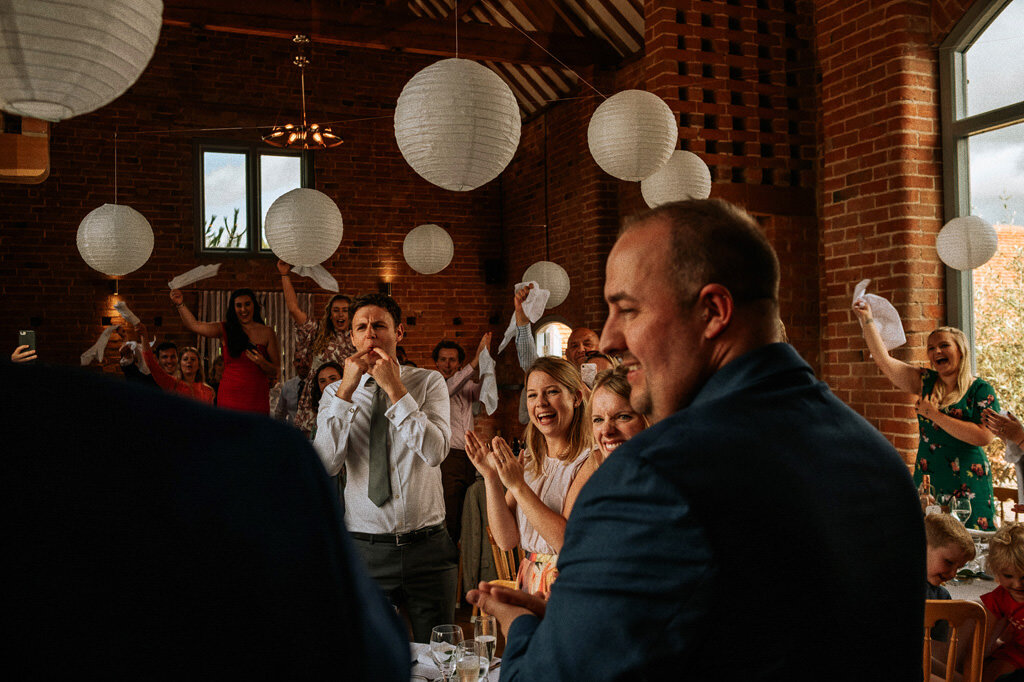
444, 639
960, 507
472, 660
485, 630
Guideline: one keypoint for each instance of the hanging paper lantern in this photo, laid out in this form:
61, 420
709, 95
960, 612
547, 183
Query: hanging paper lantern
457, 124
966, 243
115, 239
685, 176
303, 227
632, 134
550, 276
59, 59
428, 249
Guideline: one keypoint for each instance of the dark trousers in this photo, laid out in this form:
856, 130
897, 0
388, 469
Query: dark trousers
422, 575
457, 474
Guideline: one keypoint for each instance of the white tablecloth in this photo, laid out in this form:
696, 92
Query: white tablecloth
421, 652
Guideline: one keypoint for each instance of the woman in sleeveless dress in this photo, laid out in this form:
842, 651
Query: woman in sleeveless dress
949, 415
543, 485
252, 358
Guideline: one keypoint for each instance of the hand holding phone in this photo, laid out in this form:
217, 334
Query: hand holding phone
26, 350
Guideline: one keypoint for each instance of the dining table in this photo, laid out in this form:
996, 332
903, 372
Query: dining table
423, 668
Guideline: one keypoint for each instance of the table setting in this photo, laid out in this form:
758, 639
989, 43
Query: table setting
450, 656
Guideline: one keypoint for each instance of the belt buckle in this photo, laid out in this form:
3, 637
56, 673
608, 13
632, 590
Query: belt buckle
399, 536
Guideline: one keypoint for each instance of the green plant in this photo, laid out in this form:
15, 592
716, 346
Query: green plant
231, 235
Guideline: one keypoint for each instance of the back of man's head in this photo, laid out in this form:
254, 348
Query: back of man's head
716, 242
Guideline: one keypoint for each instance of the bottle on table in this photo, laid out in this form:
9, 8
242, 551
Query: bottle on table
926, 496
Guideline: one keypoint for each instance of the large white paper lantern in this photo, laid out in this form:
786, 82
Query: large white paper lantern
966, 243
632, 134
63, 58
685, 176
550, 276
303, 227
428, 249
115, 239
457, 124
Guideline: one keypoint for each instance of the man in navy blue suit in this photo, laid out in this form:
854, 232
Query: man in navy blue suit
759, 529
148, 536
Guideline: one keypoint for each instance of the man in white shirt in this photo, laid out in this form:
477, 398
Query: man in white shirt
457, 472
389, 425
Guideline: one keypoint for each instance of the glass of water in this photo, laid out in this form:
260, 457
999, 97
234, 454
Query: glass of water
960, 507
444, 641
485, 630
472, 661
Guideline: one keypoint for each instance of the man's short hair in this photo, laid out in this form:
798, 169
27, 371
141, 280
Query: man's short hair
166, 345
446, 343
381, 301
716, 242
944, 529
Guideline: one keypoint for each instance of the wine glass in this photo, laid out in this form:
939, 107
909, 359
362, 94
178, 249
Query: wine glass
471, 660
443, 641
960, 507
485, 630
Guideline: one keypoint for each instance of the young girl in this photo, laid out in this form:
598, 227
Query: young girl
1005, 604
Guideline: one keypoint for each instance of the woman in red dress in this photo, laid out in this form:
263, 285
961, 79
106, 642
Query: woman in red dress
252, 358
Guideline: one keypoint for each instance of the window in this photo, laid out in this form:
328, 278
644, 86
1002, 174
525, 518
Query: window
982, 79
552, 338
236, 184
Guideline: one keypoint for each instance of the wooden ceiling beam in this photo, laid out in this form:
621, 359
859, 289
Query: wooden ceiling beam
396, 31
463, 7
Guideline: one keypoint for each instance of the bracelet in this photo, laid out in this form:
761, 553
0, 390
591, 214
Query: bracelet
870, 320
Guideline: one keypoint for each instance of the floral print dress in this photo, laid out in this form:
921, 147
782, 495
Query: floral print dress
338, 348
956, 467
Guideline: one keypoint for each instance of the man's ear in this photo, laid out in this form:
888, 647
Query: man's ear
717, 308
399, 333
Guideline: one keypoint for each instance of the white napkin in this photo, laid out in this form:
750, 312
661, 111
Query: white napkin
100, 347
129, 317
319, 274
194, 275
533, 306
140, 360
488, 382
890, 327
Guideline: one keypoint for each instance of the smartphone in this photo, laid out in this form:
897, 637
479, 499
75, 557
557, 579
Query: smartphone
27, 337
588, 370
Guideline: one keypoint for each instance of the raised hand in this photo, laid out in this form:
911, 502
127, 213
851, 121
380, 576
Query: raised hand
862, 309
485, 343
507, 465
283, 267
479, 456
517, 300
177, 298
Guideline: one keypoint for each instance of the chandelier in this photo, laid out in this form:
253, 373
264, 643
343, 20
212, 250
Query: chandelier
304, 135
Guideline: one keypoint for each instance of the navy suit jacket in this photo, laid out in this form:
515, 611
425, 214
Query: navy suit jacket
149, 536
765, 532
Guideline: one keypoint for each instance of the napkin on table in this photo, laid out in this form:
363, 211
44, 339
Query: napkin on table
533, 306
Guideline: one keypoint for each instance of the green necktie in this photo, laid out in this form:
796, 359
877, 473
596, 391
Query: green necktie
379, 487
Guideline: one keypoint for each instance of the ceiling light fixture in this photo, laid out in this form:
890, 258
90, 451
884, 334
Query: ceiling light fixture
304, 135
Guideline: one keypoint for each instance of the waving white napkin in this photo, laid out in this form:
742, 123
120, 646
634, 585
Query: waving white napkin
319, 274
533, 306
194, 275
890, 327
99, 348
140, 359
129, 317
488, 382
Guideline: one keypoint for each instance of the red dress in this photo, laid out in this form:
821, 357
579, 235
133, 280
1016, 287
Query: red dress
196, 391
1002, 605
243, 386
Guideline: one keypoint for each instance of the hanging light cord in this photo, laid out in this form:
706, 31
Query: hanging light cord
564, 65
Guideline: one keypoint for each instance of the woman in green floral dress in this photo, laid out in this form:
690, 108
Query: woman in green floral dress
949, 416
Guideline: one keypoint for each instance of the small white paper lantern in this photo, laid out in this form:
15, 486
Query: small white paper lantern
966, 243
457, 124
63, 58
428, 249
303, 227
685, 176
632, 134
550, 276
115, 240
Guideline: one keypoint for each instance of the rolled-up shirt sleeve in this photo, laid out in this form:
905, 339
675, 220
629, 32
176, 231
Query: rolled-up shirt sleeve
424, 428
333, 428
526, 346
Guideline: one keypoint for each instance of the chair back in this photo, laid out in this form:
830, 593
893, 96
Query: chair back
1004, 496
958, 613
505, 561
510, 584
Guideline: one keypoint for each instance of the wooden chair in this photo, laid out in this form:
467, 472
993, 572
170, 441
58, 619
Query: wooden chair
506, 563
958, 613
1004, 495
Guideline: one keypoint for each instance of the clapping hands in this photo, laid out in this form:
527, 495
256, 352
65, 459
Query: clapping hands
496, 461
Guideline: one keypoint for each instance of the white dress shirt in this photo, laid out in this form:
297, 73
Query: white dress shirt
419, 436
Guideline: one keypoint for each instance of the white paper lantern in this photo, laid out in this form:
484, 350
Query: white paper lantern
632, 134
63, 58
457, 124
685, 176
115, 239
550, 276
428, 249
966, 243
303, 227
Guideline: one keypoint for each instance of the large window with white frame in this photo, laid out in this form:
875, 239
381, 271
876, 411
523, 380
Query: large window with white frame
982, 79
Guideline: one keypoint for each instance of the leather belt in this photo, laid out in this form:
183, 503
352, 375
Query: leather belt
399, 539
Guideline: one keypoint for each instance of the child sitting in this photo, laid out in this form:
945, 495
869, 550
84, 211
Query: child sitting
949, 547
1005, 604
